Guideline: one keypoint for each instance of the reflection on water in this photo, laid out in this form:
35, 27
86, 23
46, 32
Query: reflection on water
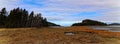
109, 28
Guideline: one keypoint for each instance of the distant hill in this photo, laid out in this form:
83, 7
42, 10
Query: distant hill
52, 24
114, 24
88, 22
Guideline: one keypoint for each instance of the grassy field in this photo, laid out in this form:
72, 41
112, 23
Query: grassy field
83, 35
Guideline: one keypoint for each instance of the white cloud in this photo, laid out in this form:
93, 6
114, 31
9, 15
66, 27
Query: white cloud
10, 4
109, 9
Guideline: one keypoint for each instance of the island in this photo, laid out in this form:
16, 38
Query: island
88, 22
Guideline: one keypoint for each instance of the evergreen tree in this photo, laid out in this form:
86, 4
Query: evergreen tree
44, 22
14, 18
3, 13
20, 18
37, 20
24, 17
30, 19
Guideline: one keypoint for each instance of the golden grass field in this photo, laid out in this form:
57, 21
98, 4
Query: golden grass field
83, 35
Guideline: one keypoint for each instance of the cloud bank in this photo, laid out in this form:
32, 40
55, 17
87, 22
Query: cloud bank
66, 12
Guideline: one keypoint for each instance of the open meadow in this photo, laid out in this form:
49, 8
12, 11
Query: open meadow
82, 35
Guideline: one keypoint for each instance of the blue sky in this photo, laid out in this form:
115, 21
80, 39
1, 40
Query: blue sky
67, 12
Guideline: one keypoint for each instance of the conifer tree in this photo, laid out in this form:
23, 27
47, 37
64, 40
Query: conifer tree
3, 17
21, 18
30, 19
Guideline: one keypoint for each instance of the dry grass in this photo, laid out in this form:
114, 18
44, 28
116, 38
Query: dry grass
84, 35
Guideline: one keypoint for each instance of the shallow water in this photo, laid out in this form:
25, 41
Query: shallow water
109, 28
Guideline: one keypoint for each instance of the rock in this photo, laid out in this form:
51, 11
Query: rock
69, 33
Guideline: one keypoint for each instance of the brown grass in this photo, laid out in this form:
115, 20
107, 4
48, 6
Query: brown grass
83, 35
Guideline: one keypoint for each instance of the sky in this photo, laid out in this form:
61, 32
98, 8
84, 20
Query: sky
67, 12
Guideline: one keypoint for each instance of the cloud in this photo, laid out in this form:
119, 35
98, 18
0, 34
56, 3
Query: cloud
111, 16
70, 11
9, 3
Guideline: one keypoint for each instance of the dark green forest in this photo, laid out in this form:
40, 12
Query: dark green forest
22, 18
88, 22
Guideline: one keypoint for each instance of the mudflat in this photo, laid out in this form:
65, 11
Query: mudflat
81, 35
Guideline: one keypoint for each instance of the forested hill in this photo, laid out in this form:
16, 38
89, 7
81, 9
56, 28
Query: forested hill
88, 22
114, 24
22, 18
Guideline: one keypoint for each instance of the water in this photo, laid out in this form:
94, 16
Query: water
109, 28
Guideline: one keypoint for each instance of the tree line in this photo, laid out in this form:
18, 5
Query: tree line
22, 18
88, 22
